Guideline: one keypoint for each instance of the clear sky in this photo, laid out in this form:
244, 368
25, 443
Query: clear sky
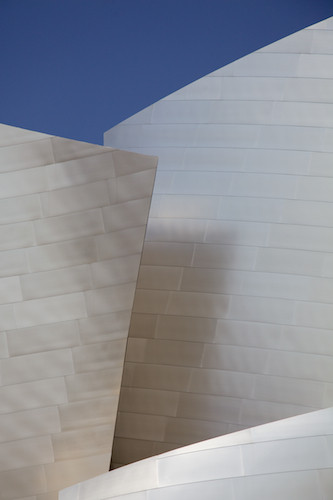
75, 68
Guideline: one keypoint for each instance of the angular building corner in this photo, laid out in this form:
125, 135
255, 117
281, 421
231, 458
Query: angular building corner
233, 312
72, 224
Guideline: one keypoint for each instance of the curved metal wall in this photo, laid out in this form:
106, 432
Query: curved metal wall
72, 224
292, 459
232, 318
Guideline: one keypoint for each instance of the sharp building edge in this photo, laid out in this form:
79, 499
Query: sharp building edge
72, 224
232, 319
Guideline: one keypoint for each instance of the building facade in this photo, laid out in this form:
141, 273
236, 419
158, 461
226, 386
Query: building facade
73, 219
226, 299
232, 319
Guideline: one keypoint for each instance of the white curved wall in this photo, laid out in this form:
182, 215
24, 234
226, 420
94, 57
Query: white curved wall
292, 459
233, 317
72, 224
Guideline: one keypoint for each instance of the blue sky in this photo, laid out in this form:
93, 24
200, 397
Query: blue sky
75, 68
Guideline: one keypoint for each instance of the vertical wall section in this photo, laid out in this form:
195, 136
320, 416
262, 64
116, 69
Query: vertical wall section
72, 223
233, 317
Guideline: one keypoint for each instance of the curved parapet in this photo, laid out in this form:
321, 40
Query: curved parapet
72, 223
291, 458
232, 322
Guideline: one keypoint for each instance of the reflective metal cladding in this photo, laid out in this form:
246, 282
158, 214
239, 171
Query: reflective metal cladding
232, 319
